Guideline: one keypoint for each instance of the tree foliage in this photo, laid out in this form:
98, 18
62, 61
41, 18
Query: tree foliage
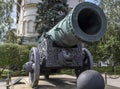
13, 56
109, 46
50, 12
11, 36
5, 16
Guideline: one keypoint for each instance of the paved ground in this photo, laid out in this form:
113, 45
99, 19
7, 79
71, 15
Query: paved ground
57, 82
2, 84
112, 81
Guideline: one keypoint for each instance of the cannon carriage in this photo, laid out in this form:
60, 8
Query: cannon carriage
62, 46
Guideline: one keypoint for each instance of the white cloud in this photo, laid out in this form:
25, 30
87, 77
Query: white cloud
97, 2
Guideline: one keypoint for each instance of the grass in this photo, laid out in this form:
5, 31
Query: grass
108, 70
99, 69
13, 74
67, 71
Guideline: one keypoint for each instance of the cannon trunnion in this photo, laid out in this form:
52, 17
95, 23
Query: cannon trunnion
61, 46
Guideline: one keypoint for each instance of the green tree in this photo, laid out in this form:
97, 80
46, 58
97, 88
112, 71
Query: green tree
109, 46
11, 36
50, 12
13, 56
111, 39
5, 16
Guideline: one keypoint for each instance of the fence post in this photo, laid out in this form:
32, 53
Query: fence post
106, 78
8, 80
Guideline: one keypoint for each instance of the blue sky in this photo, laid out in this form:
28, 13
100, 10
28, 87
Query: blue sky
13, 14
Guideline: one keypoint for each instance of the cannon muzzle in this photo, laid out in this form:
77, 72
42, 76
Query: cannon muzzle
86, 22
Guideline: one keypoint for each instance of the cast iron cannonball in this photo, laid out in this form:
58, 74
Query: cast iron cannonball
90, 79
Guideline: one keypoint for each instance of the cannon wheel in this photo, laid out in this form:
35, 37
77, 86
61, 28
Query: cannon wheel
46, 76
34, 74
87, 62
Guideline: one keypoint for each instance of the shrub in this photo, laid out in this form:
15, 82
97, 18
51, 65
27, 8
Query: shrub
13, 56
108, 70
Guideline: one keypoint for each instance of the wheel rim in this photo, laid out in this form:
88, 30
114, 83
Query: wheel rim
88, 59
34, 74
87, 62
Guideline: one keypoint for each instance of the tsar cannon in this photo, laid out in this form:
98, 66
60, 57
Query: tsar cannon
62, 46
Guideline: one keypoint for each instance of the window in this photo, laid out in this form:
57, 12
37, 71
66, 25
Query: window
24, 27
30, 26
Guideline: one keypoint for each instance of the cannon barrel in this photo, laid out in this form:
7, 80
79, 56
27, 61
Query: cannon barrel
86, 22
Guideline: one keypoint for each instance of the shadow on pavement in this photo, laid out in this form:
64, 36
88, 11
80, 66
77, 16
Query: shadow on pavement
57, 83
64, 83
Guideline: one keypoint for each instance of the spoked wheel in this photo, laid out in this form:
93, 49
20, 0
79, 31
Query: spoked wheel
34, 73
87, 62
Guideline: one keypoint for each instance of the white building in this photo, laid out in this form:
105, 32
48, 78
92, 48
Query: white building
26, 18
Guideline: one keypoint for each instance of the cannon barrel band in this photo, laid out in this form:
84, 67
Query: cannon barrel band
89, 22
